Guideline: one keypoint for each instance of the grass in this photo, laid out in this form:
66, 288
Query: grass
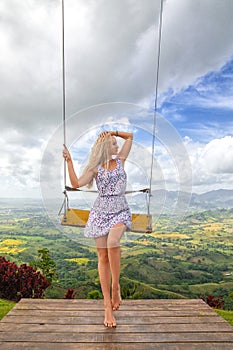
5, 307
227, 315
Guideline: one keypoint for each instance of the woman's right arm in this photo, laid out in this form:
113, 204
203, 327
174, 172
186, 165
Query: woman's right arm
74, 180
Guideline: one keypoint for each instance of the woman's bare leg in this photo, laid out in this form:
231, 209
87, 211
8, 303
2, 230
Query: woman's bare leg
114, 256
105, 279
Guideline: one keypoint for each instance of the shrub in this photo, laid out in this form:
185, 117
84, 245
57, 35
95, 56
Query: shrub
94, 294
20, 282
132, 291
214, 301
70, 294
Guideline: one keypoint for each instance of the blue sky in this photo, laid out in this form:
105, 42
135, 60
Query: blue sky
203, 110
110, 56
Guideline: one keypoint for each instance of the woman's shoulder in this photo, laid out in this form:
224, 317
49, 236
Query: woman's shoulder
120, 161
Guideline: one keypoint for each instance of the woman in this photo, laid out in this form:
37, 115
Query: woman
110, 214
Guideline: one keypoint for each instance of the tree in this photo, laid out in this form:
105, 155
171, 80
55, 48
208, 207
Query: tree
46, 264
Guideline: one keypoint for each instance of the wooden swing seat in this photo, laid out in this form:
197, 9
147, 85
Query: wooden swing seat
78, 217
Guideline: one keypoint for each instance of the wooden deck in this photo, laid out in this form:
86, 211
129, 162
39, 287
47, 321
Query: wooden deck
141, 324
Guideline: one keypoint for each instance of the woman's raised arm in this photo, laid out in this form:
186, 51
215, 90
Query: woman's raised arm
74, 180
126, 147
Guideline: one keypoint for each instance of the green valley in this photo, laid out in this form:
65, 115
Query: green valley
192, 260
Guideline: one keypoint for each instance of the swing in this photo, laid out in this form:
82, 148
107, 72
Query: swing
141, 223
78, 217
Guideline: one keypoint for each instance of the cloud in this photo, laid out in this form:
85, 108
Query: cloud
212, 163
111, 49
114, 52
217, 156
30, 76
211, 91
195, 40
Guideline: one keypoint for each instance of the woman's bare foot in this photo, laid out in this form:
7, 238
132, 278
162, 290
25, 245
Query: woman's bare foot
116, 298
109, 320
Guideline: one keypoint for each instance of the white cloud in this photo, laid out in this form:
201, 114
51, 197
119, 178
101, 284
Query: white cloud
195, 40
111, 49
217, 156
212, 164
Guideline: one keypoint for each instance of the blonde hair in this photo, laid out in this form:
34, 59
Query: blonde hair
100, 153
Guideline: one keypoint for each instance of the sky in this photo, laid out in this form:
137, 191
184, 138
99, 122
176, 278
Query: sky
111, 50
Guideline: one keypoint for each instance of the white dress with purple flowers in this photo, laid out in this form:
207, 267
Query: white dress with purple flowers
110, 207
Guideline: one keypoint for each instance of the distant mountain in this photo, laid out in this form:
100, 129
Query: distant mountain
213, 199
174, 202
161, 202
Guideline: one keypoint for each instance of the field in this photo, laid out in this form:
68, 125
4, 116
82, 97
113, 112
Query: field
228, 315
5, 307
193, 260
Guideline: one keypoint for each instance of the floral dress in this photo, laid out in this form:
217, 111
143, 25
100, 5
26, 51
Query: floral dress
110, 207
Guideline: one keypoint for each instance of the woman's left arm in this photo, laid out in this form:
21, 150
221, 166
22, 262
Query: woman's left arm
125, 149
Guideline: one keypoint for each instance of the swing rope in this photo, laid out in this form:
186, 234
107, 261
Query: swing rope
63, 86
156, 99
65, 204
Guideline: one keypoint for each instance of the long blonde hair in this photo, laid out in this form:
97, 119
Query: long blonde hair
100, 153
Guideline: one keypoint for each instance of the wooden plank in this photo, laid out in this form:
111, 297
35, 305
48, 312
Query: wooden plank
99, 319
121, 328
134, 305
137, 308
133, 314
138, 302
118, 346
142, 324
113, 336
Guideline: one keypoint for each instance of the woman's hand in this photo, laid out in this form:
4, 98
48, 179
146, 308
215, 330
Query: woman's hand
103, 136
66, 154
